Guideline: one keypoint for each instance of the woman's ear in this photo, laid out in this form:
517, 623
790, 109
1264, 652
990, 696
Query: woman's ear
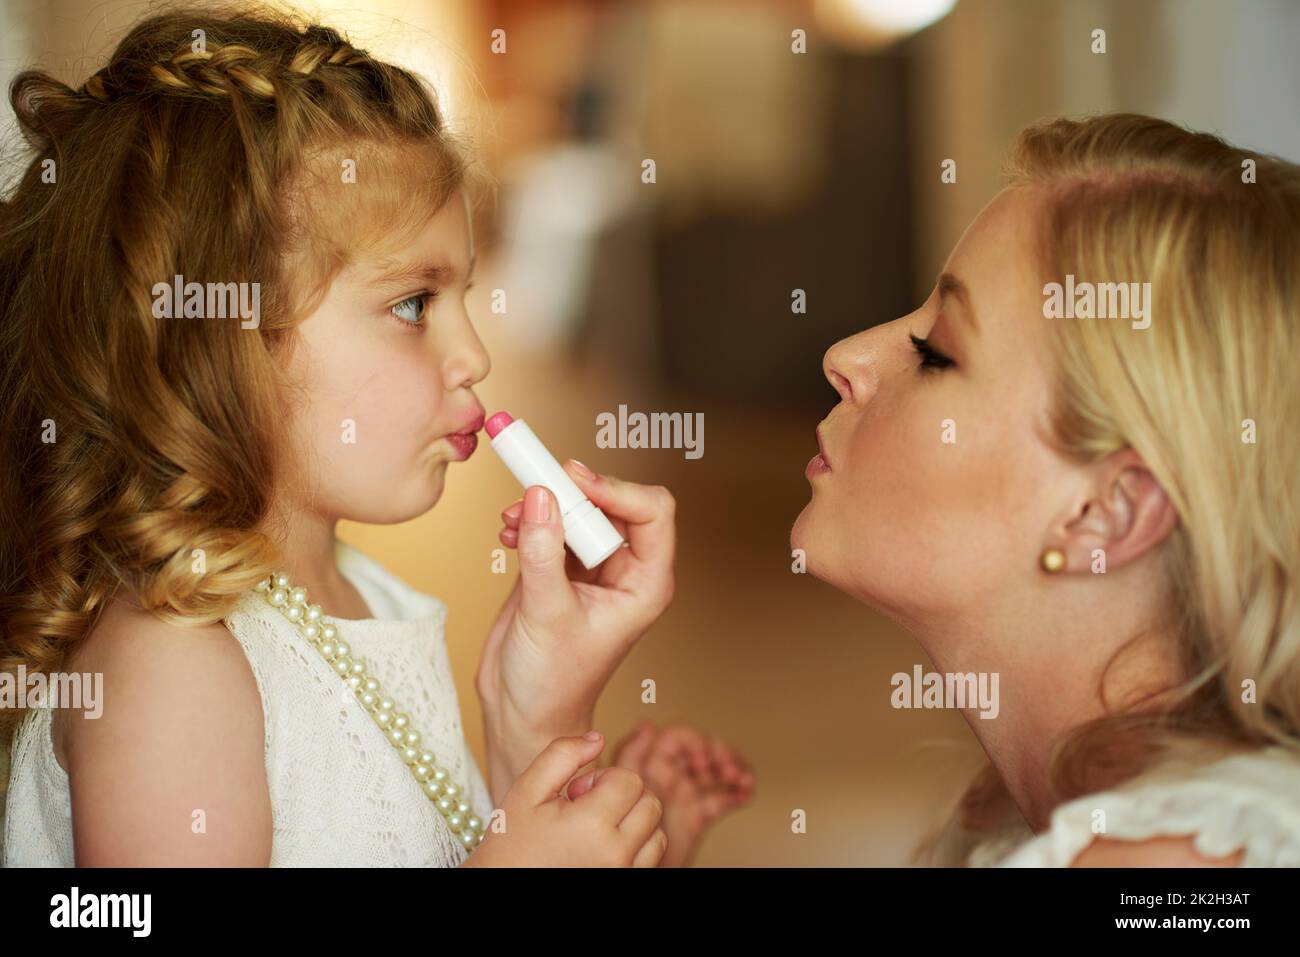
1126, 515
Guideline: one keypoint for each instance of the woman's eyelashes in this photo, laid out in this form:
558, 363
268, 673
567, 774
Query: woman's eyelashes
931, 358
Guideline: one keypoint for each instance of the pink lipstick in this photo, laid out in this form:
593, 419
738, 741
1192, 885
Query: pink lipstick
587, 531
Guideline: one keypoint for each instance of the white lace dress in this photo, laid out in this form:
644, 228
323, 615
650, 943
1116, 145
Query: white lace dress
340, 793
1248, 802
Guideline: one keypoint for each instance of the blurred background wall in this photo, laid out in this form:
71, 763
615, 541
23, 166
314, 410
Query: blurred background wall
775, 171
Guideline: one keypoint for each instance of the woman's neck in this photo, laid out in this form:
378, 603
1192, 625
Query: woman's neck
1050, 667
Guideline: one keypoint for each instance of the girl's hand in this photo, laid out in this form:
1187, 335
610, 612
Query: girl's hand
564, 629
614, 822
698, 776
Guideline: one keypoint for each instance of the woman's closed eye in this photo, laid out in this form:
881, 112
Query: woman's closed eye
931, 358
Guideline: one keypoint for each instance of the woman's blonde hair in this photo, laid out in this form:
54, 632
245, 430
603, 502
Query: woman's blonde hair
1206, 396
222, 144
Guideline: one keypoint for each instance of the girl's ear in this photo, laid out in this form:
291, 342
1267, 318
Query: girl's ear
1125, 515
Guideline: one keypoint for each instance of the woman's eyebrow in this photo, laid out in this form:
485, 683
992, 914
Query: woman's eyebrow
434, 273
950, 285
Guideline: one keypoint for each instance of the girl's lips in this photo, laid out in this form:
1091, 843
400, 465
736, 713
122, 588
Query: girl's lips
464, 443
816, 466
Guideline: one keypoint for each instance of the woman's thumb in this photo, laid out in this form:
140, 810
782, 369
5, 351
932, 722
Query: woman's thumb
544, 586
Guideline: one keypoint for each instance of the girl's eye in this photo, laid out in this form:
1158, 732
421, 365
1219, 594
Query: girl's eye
411, 309
931, 358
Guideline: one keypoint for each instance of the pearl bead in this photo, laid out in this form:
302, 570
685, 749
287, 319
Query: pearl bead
279, 597
426, 757
298, 596
410, 755
343, 665
293, 613
444, 804
314, 612
281, 580
468, 838
386, 704
372, 684
432, 788
422, 772
367, 699
343, 647
396, 738
453, 790
310, 632
412, 737
329, 632
462, 807
400, 720
382, 718
475, 822
455, 821
263, 585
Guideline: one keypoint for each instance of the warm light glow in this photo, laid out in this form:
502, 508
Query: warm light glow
875, 22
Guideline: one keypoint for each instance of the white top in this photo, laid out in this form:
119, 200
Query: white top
341, 795
1247, 802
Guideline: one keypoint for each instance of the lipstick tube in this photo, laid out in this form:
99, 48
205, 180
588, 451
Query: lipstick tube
587, 532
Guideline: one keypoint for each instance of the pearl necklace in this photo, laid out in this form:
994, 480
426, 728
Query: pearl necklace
449, 798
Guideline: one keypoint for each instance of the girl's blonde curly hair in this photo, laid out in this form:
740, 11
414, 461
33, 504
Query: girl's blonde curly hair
139, 453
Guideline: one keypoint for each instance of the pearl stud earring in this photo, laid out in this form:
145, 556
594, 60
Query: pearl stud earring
1052, 560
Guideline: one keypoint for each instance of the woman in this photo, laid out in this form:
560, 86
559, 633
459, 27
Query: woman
1096, 503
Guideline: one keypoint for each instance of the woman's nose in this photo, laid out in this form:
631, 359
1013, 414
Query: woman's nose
850, 367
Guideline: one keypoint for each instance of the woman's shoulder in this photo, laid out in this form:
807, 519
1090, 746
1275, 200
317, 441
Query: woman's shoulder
1241, 809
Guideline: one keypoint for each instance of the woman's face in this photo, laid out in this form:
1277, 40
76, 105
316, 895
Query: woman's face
937, 492
386, 369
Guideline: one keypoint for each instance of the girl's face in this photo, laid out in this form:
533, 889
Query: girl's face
937, 492
385, 370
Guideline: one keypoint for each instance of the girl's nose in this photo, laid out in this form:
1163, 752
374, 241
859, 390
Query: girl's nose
467, 363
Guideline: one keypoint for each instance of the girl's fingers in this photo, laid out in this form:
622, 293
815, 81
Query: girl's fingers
652, 851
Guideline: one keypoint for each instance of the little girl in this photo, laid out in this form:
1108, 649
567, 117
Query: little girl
232, 283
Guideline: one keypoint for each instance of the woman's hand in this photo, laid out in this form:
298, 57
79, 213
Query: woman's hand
697, 775
563, 629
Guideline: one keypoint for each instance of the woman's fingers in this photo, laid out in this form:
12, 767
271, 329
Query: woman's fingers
647, 511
